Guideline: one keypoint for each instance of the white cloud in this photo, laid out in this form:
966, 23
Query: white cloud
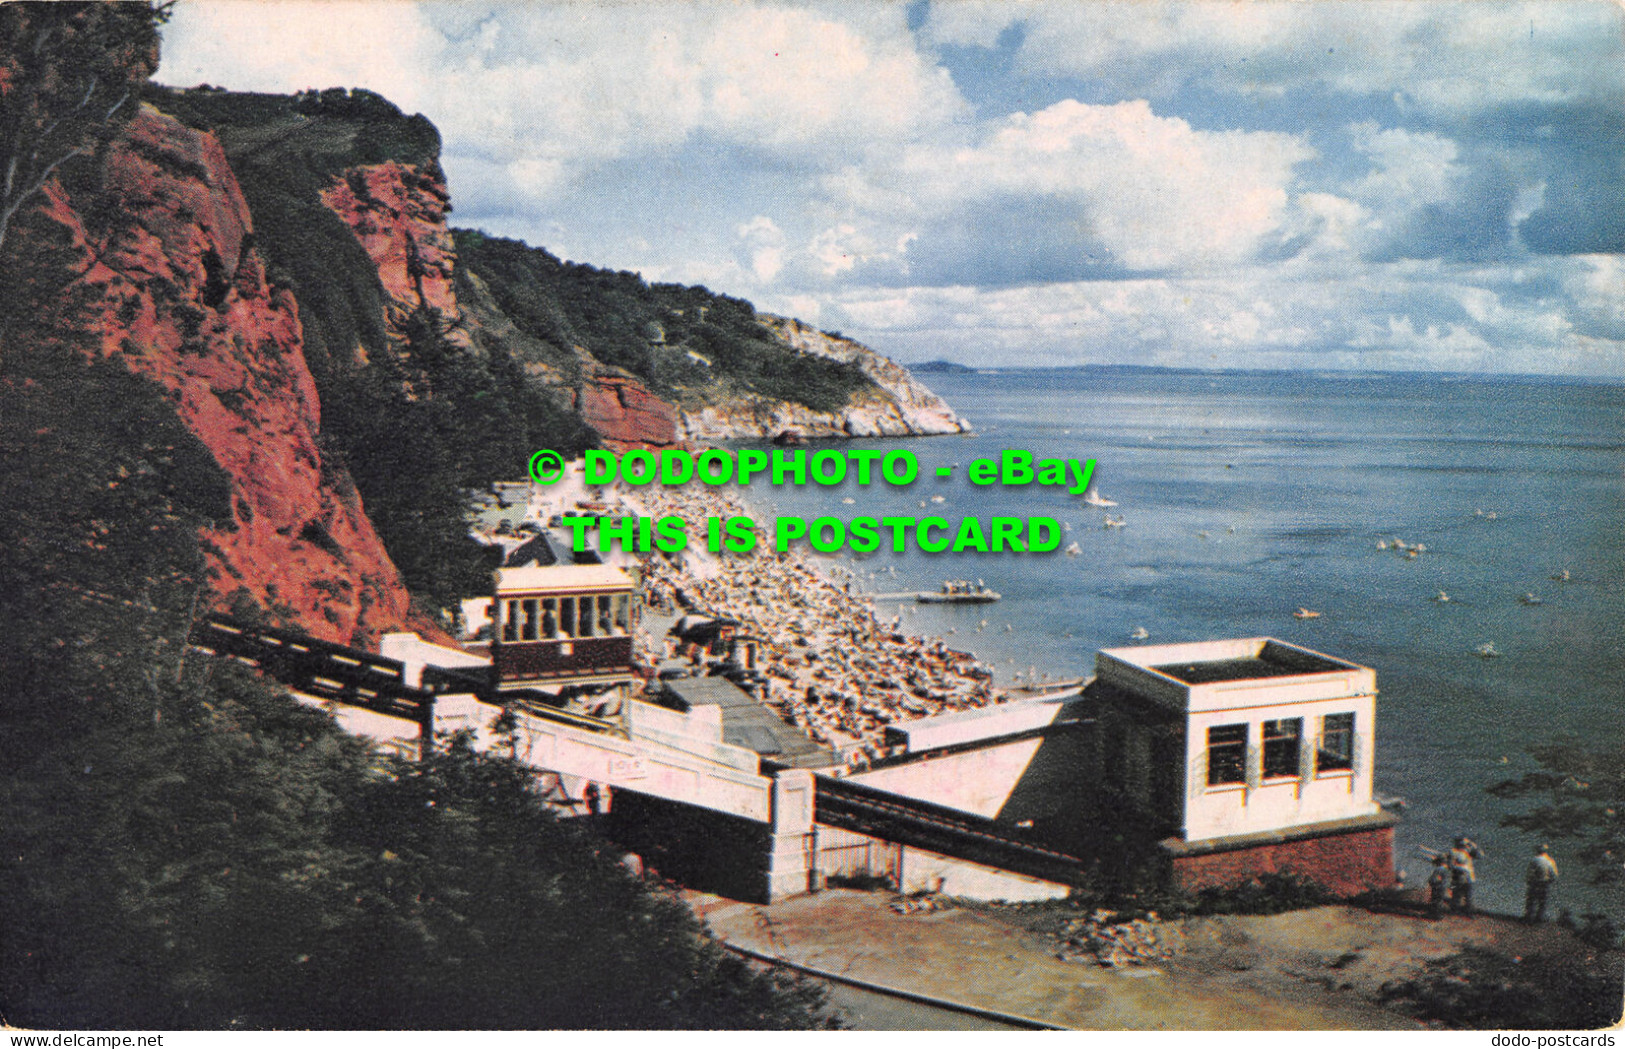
1151, 191
1445, 57
551, 89
818, 158
297, 44
1403, 315
764, 242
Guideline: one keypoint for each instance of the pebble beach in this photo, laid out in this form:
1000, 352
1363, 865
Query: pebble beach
829, 663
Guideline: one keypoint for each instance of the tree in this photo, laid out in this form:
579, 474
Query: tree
67, 70
1581, 795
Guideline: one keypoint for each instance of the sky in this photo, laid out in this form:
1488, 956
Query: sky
1318, 184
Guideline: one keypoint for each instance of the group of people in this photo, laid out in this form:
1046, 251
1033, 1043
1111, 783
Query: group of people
1453, 877
829, 665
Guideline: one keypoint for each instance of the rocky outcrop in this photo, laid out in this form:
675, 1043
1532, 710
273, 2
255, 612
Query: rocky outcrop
900, 407
625, 413
171, 285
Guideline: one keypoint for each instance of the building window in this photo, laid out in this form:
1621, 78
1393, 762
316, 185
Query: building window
567, 616
1281, 746
532, 621
510, 620
1336, 743
1226, 754
550, 618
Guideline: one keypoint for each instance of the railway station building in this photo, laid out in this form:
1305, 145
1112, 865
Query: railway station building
1251, 756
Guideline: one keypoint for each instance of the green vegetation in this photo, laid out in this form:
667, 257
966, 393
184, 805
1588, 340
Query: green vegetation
686, 343
245, 864
186, 847
71, 72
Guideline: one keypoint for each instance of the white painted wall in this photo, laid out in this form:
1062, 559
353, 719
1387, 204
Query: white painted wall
642, 766
1276, 804
932, 872
978, 781
392, 734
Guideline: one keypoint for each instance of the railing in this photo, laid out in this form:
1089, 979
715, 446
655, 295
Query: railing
321, 668
364, 679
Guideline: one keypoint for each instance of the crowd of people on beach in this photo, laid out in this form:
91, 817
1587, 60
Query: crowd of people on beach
826, 662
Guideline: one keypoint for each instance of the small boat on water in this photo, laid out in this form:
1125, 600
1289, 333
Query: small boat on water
1304, 613
1140, 633
1530, 599
1114, 522
960, 592
1094, 498
1487, 650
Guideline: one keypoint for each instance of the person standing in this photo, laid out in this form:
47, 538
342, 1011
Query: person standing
1538, 878
1462, 875
1438, 886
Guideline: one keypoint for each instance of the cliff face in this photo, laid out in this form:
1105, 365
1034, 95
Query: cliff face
282, 266
398, 214
899, 405
624, 412
172, 286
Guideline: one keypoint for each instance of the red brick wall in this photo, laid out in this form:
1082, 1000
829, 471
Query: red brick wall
1346, 864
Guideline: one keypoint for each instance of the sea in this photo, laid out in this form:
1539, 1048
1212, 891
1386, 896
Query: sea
1244, 497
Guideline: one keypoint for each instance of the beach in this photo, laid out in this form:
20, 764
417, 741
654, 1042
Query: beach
829, 662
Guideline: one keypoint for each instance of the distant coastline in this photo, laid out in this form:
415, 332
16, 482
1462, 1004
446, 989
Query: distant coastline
940, 367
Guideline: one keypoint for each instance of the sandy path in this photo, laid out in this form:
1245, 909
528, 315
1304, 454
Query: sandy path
1316, 969
970, 957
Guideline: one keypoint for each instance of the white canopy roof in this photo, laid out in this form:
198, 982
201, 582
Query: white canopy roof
557, 579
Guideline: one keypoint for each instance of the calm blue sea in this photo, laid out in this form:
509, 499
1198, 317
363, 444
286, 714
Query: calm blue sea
1246, 496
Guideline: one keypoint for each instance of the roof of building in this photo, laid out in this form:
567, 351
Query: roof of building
1230, 672
532, 579
1232, 659
746, 723
546, 549
1266, 665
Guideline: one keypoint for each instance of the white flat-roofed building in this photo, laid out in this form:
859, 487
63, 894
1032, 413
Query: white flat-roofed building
1256, 753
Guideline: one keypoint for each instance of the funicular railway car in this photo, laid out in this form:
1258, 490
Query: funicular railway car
562, 624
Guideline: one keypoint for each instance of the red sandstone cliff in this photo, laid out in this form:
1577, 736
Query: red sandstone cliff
398, 213
172, 286
625, 413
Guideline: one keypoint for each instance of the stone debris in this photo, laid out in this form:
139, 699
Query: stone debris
1104, 939
926, 904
